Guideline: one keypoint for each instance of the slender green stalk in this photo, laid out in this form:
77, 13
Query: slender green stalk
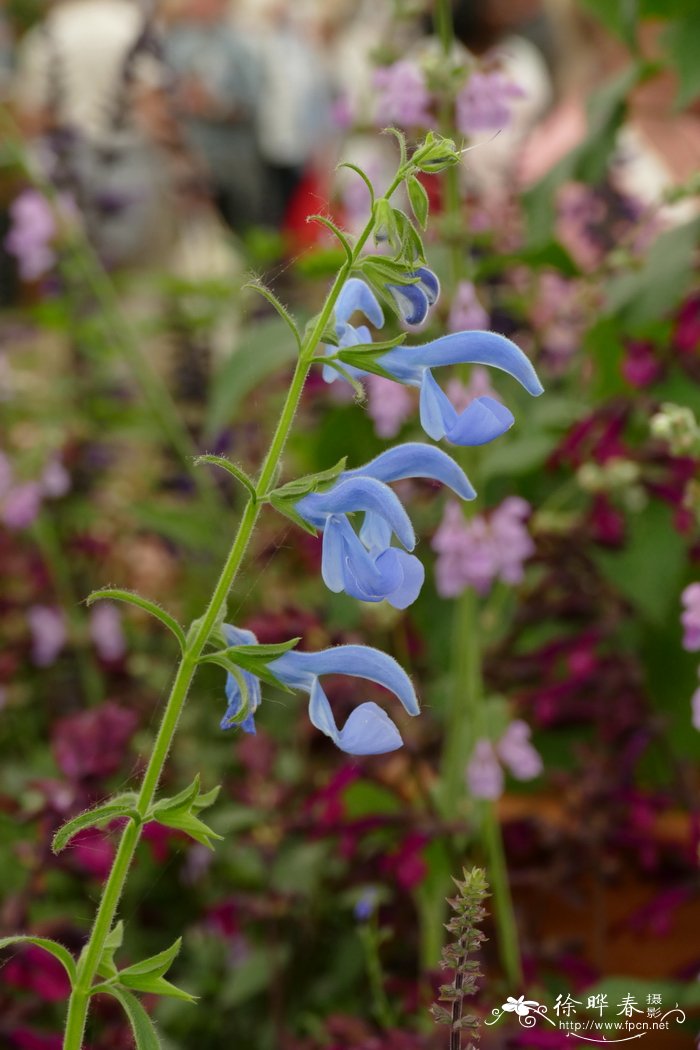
504, 914
90, 958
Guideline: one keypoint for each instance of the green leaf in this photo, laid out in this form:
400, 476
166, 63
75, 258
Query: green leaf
183, 800
267, 293
119, 806
142, 1027
379, 269
318, 482
363, 175
155, 986
286, 508
113, 941
190, 825
253, 658
618, 16
236, 472
263, 349
53, 947
418, 196
181, 812
336, 231
401, 139
682, 41
365, 361
155, 966
118, 595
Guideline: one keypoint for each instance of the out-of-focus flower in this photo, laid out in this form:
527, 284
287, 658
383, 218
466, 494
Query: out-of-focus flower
32, 969
93, 743
49, 634
93, 850
366, 904
687, 333
31, 233
388, 405
695, 709
474, 553
29, 1039
484, 773
402, 96
466, 310
517, 753
55, 479
640, 366
21, 505
368, 730
485, 102
690, 617
106, 631
406, 864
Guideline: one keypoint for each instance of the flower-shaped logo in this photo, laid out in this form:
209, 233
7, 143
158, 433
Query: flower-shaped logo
521, 1006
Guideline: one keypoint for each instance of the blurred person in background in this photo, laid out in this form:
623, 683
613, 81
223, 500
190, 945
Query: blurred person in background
82, 74
217, 79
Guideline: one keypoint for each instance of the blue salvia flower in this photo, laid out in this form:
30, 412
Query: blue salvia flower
484, 418
367, 566
368, 730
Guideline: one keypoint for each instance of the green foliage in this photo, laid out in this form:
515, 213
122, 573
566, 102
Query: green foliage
117, 807
181, 812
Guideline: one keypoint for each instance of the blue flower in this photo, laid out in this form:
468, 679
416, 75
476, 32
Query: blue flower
234, 695
414, 300
368, 730
355, 297
367, 566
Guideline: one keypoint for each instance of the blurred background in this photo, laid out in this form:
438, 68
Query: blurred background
154, 156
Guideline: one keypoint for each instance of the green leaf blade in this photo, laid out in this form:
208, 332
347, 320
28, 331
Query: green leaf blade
131, 598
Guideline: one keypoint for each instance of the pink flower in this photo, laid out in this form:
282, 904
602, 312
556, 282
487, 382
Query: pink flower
640, 366
93, 850
695, 709
106, 632
33, 228
30, 1039
55, 480
517, 753
93, 743
466, 312
389, 405
485, 102
49, 634
21, 505
402, 96
484, 774
35, 970
690, 617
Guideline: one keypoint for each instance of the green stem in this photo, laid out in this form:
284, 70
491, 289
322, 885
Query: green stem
465, 709
90, 958
504, 913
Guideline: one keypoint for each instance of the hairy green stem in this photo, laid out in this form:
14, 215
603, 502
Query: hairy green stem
90, 958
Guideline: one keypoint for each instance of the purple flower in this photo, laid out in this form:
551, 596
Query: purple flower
484, 103
55, 480
106, 632
484, 773
366, 904
695, 709
476, 552
466, 311
49, 635
402, 96
690, 617
388, 405
33, 228
21, 505
517, 753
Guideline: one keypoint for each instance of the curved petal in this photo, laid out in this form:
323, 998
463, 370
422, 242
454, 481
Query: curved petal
359, 494
411, 302
429, 282
369, 731
235, 699
299, 670
375, 533
333, 554
363, 575
413, 576
320, 714
482, 421
415, 459
238, 635
356, 295
437, 414
477, 348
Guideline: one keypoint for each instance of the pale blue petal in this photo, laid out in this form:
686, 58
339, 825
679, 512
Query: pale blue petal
332, 557
413, 576
406, 363
415, 459
298, 670
359, 494
369, 731
482, 421
368, 577
320, 714
375, 532
437, 414
429, 283
356, 295
411, 302
248, 725
238, 635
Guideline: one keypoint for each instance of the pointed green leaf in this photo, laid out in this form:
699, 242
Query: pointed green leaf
401, 139
236, 472
267, 293
155, 986
363, 175
318, 482
113, 941
418, 196
190, 825
366, 362
155, 966
142, 1027
57, 950
357, 386
119, 806
287, 508
118, 595
336, 231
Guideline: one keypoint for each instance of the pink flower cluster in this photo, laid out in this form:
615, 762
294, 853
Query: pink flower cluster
484, 774
485, 102
20, 502
49, 633
466, 312
475, 552
389, 405
31, 233
690, 618
402, 96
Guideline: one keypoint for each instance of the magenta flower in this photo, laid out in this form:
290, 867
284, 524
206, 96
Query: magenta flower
388, 405
466, 311
32, 230
695, 709
93, 743
690, 617
49, 634
485, 102
106, 632
402, 96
